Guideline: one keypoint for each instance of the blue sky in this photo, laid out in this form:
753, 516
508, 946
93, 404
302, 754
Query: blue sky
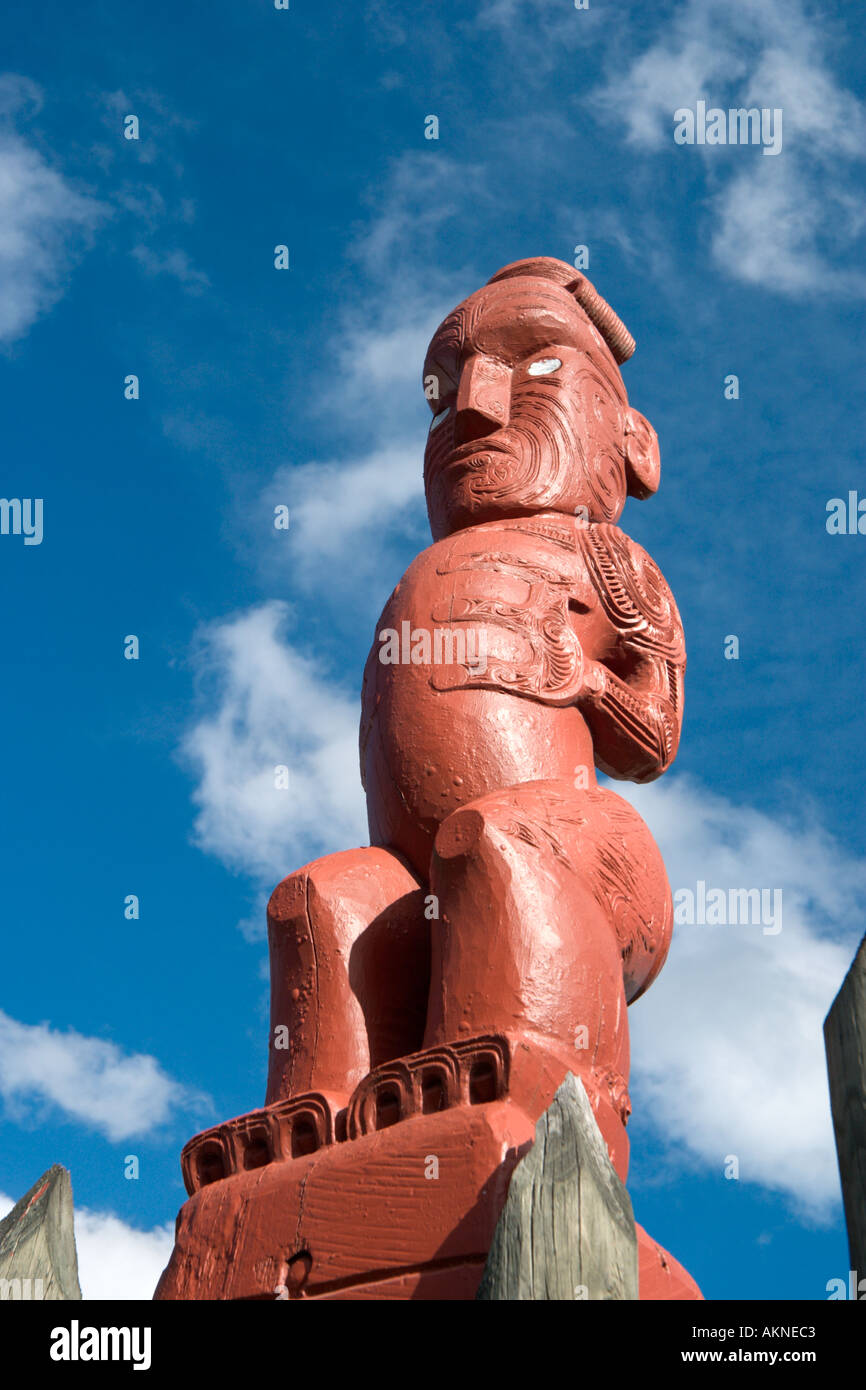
258, 387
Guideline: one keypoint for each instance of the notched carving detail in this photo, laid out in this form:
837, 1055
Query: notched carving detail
545, 661
466, 1073
633, 591
463, 1073
274, 1134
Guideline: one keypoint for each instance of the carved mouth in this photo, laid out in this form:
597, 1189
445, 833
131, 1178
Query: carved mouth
476, 454
472, 457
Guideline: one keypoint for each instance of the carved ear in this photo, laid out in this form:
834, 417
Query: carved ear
642, 461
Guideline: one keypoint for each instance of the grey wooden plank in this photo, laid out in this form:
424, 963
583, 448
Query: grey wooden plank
37, 1242
845, 1042
567, 1229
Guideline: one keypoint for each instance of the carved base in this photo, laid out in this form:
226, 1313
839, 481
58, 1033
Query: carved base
395, 1196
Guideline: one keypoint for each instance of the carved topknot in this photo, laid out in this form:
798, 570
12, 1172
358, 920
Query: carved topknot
597, 310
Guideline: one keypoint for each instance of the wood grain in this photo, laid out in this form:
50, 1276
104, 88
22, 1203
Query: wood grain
38, 1259
567, 1231
845, 1041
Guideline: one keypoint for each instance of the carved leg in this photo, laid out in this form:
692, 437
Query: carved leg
554, 912
349, 947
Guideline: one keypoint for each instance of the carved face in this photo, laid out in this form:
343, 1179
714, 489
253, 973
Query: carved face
529, 413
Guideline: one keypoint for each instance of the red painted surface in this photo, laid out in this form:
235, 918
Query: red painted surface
660, 1276
429, 992
35, 1198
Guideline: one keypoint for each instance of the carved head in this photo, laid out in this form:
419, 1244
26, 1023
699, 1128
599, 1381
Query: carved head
529, 409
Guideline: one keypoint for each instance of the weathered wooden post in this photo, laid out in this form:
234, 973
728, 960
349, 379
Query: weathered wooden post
567, 1230
845, 1041
37, 1242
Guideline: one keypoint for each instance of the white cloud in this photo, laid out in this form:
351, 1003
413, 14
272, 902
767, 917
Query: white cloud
340, 505
115, 1260
44, 221
696, 51
727, 1045
336, 508
90, 1079
381, 336
175, 263
537, 32
769, 224
379, 361
774, 221
272, 705
500, 14
158, 127
821, 114
18, 94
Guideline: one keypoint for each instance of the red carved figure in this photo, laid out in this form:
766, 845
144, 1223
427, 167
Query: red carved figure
434, 988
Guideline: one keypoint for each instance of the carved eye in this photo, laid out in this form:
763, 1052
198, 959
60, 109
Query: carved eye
544, 366
437, 419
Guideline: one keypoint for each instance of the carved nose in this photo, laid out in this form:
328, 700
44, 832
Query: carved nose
483, 399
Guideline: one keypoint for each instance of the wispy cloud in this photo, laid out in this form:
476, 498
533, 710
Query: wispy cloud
269, 704
90, 1080
338, 506
158, 125
538, 34
779, 223
45, 222
373, 486
727, 1046
175, 263
148, 180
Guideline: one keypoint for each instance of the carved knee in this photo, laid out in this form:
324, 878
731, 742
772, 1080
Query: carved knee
310, 936
349, 969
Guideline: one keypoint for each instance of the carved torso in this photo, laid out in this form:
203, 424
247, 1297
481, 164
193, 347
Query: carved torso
507, 610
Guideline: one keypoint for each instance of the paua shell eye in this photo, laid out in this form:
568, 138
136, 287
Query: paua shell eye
544, 366
437, 419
